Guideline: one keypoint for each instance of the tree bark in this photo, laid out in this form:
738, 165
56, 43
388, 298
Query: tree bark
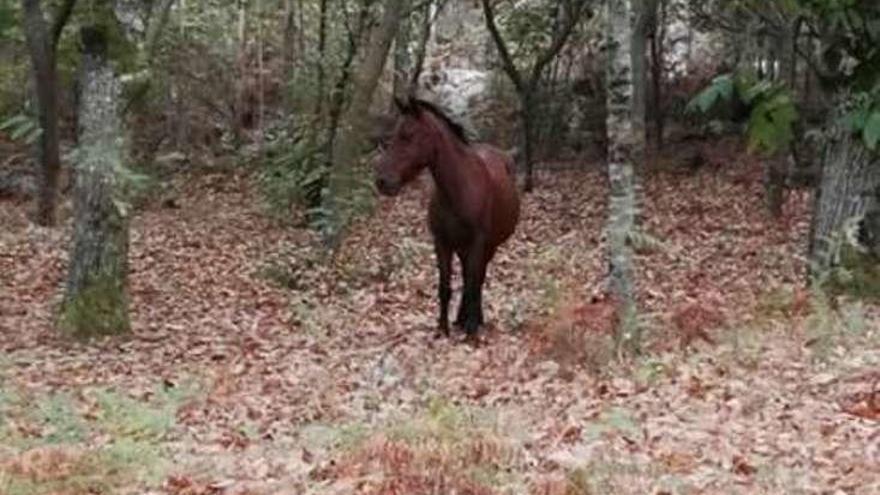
402, 58
658, 40
42, 41
424, 36
849, 185
644, 12
621, 149
344, 184
96, 302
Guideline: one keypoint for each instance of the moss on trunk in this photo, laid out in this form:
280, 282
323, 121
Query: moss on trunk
100, 308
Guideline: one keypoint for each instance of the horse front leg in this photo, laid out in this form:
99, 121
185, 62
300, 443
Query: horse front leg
444, 289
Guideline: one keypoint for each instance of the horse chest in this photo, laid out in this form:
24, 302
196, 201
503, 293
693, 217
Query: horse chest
450, 226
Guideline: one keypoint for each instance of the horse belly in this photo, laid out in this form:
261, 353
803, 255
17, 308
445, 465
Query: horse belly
505, 204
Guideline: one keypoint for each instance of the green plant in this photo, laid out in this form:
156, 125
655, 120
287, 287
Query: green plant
293, 175
98, 309
772, 112
22, 127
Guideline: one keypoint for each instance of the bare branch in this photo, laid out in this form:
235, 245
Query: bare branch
506, 60
61, 18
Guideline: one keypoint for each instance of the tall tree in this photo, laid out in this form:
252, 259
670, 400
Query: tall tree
343, 184
42, 42
96, 301
622, 143
526, 81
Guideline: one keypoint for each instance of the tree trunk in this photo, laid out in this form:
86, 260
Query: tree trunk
402, 59
96, 302
422, 48
344, 184
644, 13
42, 52
849, 184
289, 56
322, 48
527, 115
621, 149
787, 40
658, 40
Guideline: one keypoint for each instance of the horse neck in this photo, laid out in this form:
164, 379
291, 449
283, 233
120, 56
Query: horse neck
453, 166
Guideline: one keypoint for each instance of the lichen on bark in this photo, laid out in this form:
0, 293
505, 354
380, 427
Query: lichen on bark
95, 301
622, 144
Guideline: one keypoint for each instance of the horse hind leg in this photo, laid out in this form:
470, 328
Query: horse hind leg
471, 309
462, 304
444, 286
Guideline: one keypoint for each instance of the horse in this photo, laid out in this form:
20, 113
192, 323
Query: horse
474, 207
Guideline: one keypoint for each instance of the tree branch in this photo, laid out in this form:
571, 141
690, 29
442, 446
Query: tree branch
61, 18
574, 16
506, 60
158, 19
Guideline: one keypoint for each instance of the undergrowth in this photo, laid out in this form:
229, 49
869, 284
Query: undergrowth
102, 441
445, 449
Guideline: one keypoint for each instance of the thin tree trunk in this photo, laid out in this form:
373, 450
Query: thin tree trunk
261, 89
343, 184
621, 142
402, 58
322, 47
422, 48
96, 302
527, 112
42, 41
289, 54
340, 91
658, 41
644, 13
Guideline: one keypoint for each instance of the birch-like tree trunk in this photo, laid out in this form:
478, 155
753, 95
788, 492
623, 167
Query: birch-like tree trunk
344, 184
96, 301
622, 143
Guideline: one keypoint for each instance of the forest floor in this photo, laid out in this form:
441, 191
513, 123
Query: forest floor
258, 366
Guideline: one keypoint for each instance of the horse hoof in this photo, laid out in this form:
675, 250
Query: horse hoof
472, 340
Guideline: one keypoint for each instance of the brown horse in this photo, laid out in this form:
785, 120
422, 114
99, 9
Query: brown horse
474, 207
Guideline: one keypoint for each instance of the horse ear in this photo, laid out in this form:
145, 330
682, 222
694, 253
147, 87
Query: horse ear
404, 106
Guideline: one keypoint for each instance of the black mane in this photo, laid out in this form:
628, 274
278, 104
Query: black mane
453, 126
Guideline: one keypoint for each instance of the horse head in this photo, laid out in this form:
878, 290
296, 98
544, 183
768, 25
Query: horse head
407, 152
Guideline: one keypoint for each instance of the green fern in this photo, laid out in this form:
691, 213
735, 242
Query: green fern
772, 112
771, 123
22, 127
721, 89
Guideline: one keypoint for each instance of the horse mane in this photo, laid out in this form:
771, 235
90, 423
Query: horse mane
456, 128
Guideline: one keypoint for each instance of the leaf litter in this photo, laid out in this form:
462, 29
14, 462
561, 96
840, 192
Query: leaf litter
320, 374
